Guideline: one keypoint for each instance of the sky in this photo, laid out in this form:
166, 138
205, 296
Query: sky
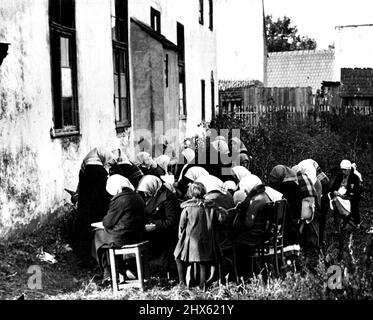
318, 18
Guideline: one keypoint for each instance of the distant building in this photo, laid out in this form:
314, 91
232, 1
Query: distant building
353, 48
241, 40
81, 74
356, 87
301, 68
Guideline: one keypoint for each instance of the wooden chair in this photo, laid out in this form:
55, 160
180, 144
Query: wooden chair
272, 241
138, 250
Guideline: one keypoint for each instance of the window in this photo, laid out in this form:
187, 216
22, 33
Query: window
166, 70
201, 11
119, 22
181, 65
211, 14
155, 20
212, 95
63, 66
203, 99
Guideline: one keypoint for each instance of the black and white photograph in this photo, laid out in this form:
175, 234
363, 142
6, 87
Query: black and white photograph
189, 155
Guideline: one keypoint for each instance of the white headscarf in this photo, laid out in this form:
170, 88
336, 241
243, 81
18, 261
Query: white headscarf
308, 167
116, 183
163, 161
240, 172
346, 164
221, 146
273, 194
195, 172
239, 197
211, 183
189, 154
249, 182
150, 184
144, 158
230, 185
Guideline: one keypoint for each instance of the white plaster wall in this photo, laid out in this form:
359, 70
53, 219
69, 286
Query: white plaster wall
240, 42
353, 48
44, 166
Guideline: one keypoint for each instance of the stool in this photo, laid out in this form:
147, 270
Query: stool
137, 249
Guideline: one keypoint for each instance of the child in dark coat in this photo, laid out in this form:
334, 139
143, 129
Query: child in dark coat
198, 242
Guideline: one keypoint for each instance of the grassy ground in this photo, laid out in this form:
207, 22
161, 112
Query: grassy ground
63, 280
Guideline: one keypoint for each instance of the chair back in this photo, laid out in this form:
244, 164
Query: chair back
276, 224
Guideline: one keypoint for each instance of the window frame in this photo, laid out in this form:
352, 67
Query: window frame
211, 15
203, 100
201, 12
154, 13
121, 46
57, 31
180, 32
212, 82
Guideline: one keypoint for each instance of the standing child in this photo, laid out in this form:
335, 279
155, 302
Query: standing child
197, 238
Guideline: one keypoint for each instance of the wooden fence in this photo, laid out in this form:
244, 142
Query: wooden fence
262, 96
251, 103
251, 115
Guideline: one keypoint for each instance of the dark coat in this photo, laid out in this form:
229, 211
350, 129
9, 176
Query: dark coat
292, 194
197, 235
217, 199
253, 218
126, 217
157, 171
93, 201
124, 224
163, 210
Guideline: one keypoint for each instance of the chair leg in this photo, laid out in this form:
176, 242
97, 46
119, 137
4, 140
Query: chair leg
139, 269
235, 265
113, 271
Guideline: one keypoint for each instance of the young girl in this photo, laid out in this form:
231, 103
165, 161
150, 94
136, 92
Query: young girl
197, 238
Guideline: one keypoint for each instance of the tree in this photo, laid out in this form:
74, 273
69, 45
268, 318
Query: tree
282, 36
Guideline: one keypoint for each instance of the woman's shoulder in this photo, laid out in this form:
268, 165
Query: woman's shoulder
196, 203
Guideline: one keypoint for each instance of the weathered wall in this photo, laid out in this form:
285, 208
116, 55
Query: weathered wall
147, 81
353, 48
200, 50
171, 94
35, 169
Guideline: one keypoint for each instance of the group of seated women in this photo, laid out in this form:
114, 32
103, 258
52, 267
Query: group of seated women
185, 209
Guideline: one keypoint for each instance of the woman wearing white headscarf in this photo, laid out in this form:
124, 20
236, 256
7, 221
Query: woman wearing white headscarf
346, 194
249, 182
191, 175
162, 220
285, 180
230, 186
253, 221
240, 172
124, 222
239, 153
163, 161
93, 199
147, 165
188, 158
